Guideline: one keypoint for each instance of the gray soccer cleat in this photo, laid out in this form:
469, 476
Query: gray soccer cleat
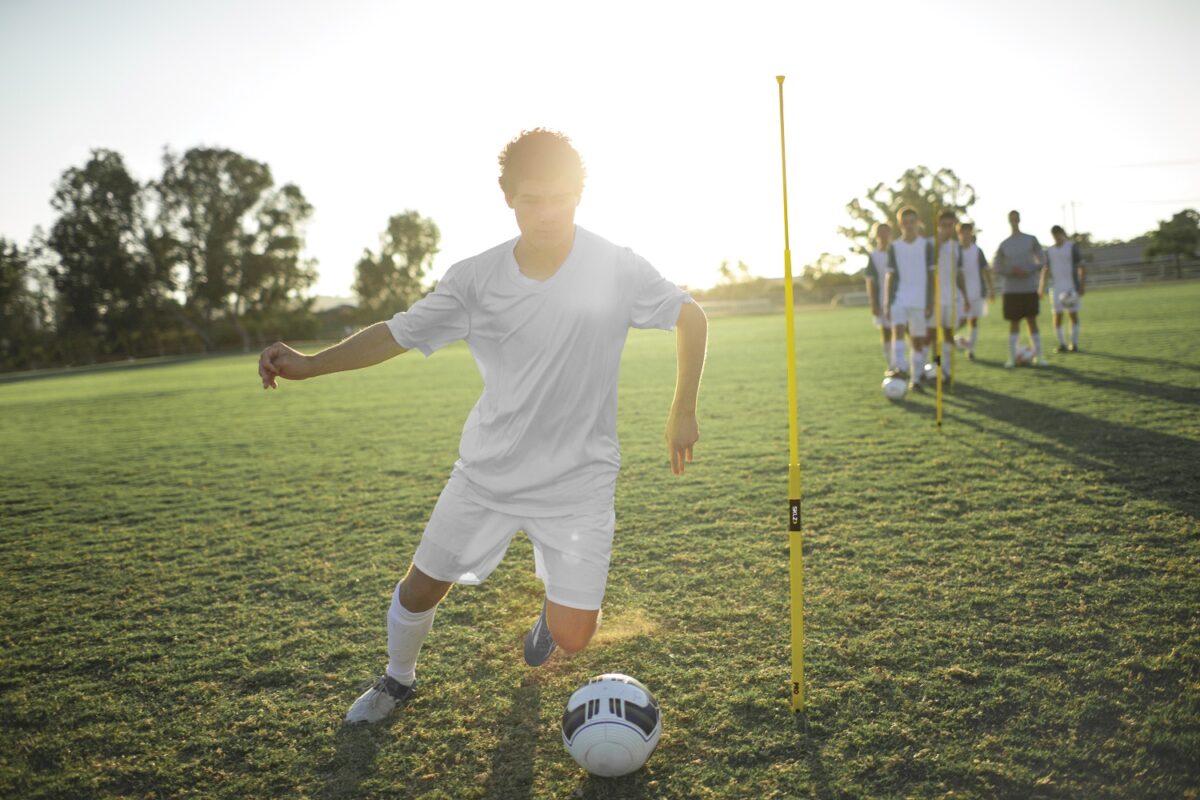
539, 644
377, 702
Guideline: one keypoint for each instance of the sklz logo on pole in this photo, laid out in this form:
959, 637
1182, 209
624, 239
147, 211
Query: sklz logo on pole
795, 515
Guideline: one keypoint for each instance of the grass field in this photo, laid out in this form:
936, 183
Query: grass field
195, 575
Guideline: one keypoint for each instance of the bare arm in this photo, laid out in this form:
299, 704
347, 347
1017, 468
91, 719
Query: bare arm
691, 343
366, 348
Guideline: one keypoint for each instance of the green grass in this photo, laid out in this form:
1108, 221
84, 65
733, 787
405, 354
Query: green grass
195, 576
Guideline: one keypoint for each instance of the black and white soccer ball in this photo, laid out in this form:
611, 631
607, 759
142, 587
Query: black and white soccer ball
611, 725
1069, 300
1025, 356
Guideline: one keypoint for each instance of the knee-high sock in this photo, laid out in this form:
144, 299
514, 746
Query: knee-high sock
1037, 344
1075, 334
887, 352
947, 360
406, 634
1058, 331
971, 339
901, 354
1012, 345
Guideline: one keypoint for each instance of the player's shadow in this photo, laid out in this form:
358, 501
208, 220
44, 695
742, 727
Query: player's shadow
1134, 386
1153, 465
353, 762
511, 775
1145, 360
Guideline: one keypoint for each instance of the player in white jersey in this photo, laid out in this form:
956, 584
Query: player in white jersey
951, 286
545, 315
1064, 268
908, 288
877, 262
976, 276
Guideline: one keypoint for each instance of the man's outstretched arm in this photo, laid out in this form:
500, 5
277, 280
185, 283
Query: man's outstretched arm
691, 342
366, 348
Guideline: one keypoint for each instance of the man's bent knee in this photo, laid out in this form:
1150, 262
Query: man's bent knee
419, 592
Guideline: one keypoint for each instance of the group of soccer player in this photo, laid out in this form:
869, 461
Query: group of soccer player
907, 277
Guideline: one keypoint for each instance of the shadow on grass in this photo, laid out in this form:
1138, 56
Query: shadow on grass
1150, 362
1156, 466
1134, 386
354, 760
511, 774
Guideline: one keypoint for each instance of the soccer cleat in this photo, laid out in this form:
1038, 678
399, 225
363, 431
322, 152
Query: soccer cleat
896, 373
1074, 348
917, 385
970, 355
1040, 361
1009, 364
539, 644
377, 702
1062, 348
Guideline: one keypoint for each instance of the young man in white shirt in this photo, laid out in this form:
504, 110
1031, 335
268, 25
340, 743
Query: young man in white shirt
877, 264
952, 286
976, 276
1064, 268
545, 316
908, 289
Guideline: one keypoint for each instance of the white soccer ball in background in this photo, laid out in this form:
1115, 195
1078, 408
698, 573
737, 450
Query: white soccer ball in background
1024, 356
611, 725
895, 388
930, 372
1068, 300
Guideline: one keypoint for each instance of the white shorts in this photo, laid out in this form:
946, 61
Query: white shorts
1058, 307
464, 542
977, 309
911, 316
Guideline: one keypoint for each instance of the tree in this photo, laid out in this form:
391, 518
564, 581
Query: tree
22, 310
103, 280
1178, 237
919, 187
390, 281
236, 242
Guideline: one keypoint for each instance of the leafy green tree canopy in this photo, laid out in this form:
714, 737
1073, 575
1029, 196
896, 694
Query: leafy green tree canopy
924, 189
391, 280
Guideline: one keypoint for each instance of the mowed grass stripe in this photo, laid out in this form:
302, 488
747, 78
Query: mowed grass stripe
196, 572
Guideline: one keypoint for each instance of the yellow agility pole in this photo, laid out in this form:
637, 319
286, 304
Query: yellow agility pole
795, 539
937, 313
953, 305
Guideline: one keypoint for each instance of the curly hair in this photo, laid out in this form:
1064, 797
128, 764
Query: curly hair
540, 153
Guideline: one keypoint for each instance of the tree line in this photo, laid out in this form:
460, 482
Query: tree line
208, 256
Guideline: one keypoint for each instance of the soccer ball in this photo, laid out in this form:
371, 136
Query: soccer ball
930, 372
1068, 300
894, 388
1024, 356
611, 725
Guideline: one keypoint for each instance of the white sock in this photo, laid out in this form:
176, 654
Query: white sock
1012, 345
971, 339
887, 353
1037, 344
918, 361
1075, 335
1061, 339
901, 354
406, 634
947, 360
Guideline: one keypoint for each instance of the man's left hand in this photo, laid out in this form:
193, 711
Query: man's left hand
682, 434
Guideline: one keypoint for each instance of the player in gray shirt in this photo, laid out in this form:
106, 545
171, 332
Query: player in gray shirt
1020, 259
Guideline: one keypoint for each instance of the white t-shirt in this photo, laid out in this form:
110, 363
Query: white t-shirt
973, 270
949, 264
542, 439
911, 263
1063, 260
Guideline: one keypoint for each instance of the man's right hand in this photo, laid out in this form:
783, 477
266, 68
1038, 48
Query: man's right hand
281, 361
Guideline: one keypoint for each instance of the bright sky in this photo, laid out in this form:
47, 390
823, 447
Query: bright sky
373, 108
